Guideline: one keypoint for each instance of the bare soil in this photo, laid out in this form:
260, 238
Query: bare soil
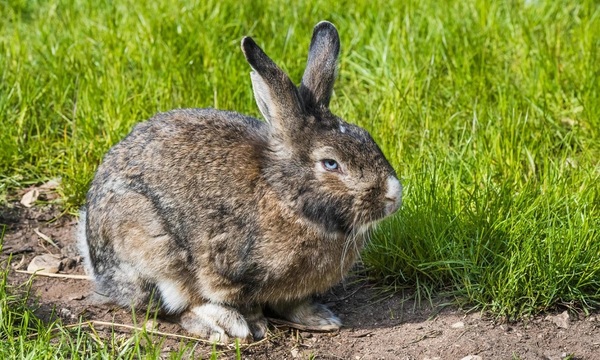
376, 325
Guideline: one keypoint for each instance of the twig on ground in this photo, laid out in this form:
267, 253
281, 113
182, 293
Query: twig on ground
91, 324
45, 238
65, 276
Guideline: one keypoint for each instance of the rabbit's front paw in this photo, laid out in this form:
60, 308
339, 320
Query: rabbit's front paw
216, 323
311, 314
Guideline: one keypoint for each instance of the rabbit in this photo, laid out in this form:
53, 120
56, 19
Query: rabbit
218, 216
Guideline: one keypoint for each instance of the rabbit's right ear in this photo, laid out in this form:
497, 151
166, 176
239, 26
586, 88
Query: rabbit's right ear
320, 73
277, 97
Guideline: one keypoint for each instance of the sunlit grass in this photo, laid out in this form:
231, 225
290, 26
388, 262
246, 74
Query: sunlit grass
497, 141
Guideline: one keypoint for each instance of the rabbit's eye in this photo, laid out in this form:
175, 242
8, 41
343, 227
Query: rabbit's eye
330, 165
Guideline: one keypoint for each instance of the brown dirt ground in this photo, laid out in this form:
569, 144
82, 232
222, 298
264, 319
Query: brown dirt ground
376, 325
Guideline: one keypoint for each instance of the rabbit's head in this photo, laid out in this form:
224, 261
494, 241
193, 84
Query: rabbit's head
328, 171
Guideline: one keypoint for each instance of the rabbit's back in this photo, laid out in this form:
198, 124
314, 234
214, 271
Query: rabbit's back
177, 139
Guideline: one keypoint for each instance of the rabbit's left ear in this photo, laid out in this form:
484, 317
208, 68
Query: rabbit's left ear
320, 73
277, 97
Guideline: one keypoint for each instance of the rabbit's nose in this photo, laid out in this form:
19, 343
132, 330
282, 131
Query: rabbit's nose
393, 195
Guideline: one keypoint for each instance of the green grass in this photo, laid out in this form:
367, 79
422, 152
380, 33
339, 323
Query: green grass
494, 123
489, 111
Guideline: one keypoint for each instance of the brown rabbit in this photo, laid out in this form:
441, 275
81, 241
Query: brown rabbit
218, 215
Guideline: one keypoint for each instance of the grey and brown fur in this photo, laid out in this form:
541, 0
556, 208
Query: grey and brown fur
218, 215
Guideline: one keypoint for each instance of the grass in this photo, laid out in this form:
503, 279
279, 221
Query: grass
489, 111
497, 138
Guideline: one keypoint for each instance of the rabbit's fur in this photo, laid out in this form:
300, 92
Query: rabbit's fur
218, 215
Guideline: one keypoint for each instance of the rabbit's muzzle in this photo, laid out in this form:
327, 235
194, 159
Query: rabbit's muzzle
393, 195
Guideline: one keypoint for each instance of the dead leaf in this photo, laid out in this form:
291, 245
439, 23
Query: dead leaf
51, 184
30, 198
46, 263
561, 320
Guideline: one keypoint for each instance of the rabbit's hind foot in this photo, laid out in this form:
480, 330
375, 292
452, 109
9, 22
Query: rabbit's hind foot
310, 314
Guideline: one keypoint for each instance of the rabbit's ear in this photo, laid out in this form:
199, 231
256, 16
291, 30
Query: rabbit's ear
319, 76
277, 97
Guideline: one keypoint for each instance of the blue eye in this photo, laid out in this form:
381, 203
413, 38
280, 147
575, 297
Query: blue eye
330, 165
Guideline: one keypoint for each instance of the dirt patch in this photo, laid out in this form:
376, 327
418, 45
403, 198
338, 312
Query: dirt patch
376, 325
